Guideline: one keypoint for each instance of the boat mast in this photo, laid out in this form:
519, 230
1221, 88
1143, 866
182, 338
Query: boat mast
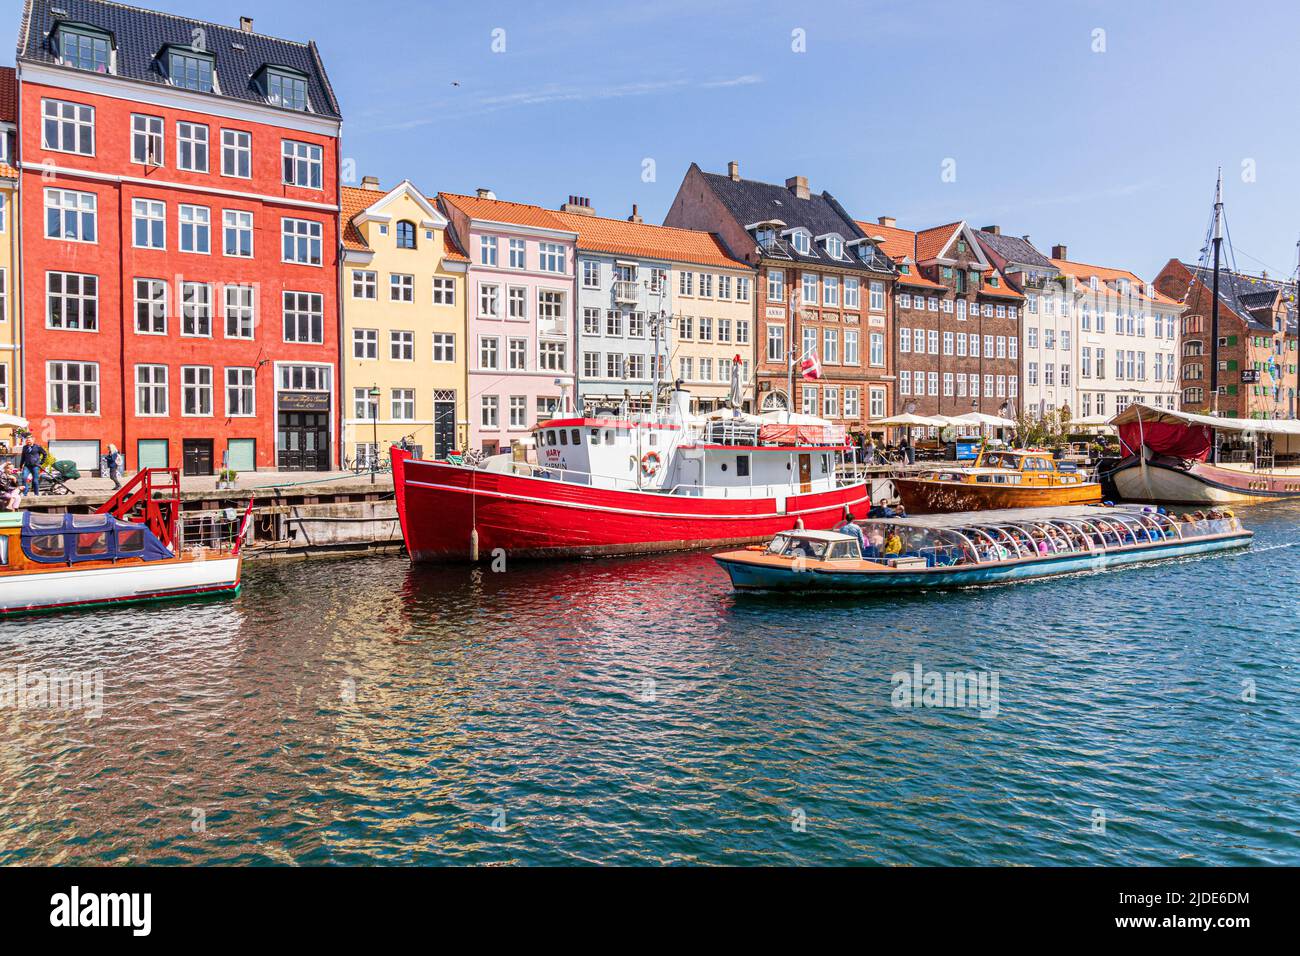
1286, 328
1214, 301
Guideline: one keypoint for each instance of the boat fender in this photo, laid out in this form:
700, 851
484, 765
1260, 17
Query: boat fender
756, 547
650, 464
473, 544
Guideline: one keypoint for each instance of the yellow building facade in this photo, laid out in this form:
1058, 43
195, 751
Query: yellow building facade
402, 366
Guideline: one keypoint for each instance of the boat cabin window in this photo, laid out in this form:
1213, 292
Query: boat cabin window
4, 550
577, 436
564, 437
594, 436
742, 466
47, 546
845, 551
778, 544
654, 438
130, 541
609, 436
92, 544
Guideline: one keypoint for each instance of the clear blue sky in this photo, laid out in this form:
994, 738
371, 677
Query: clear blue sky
1111, 152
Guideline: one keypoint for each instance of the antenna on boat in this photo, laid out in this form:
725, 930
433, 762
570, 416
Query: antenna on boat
1214, 301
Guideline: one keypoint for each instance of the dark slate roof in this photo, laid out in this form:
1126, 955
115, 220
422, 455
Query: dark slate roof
751, 202
1013, 249
1242, 292
141, 35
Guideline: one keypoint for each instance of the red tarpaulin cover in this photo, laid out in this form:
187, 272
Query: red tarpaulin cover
1167, 438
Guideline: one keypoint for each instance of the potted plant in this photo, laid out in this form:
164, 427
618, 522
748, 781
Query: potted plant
226, 479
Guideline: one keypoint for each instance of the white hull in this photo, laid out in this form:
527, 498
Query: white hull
47, 590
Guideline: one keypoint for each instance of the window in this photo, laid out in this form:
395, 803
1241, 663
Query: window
84, 50
742, 331
151, 390
799, 239
196, 390
365, 344
241, 392
364, 406
70, 215
877, 409
490, 410
364, 284
304, 319
830, 402
877, 300
831, 346
808, 400
851, 299
809, 296
149, 223
444, 346
1032, 376
444, 290
636, 365
489, 301
877, 344
550, 305
519, 412
487, 250
517, 302
401, 346
236, 153
590, 274
72, 301
947, 384
237, 230
904, 382
150, 307
904, 339
286, 90
301, 241
613, 365
776, 285
933, 379
196, 229
636, 327
147, 140
1013, 347
68, 127
706, 329
489, 352
775, 343
239, 311
401, 288
933, 337
192, 147
402, 404
190, 71
517, 250
552, 356
918, 341
706, 285
831, 290
724, 289
73, 387
196, 309
551, 257
302, 167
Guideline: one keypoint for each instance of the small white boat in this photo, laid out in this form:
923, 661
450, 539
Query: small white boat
127, 553
981, 548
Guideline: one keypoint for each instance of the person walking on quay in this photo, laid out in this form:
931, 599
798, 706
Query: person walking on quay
113, 465
32, 456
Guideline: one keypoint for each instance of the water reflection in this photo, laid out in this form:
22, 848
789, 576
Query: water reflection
635, 710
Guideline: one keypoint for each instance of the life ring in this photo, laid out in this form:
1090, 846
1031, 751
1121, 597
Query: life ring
650, 464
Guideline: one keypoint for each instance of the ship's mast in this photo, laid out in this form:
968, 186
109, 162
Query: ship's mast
1214, 301
1295, 310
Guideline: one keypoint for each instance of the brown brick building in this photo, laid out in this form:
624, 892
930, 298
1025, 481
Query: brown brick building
956, 347
823, 287
1257, 341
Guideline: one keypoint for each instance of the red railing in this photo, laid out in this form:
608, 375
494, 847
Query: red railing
151, 498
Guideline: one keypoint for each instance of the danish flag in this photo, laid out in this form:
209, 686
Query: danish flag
809, 367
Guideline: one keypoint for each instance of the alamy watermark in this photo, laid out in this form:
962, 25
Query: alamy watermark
918, 687
25, 689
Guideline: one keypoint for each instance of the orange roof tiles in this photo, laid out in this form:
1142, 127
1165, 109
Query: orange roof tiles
1083, 271
930, 243
899, 245
648, 241
515, 213
8, 95
356, 201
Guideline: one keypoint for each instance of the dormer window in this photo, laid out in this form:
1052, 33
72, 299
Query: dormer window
405, 234
1092, 283
285, 89
190, 70
84, 48
834, 247
766, 238
800, 240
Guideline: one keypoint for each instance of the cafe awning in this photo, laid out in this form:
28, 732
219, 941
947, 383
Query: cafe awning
12, 421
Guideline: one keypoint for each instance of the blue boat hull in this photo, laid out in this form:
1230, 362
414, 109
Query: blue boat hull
759, 577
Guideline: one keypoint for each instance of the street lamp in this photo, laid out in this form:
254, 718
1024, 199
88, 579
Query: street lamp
374, 394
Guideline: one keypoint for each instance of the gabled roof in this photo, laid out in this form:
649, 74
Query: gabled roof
930, 243
646, 241
1083, 271
512, 213
749, 202
899, 245
357, 201
1241, 292
1013, 249
140, 36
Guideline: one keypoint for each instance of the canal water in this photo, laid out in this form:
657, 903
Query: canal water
634, 711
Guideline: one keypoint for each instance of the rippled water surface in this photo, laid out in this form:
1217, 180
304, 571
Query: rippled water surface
635, 711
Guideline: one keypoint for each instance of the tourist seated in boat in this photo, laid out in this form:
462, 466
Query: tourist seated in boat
893, 544
875, 546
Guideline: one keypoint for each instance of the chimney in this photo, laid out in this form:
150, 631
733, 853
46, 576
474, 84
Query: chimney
887, 221
246, 24
798, 185
733, 170
996, 230
636, 216
1058, 252
485, 193
580, 205
371, 183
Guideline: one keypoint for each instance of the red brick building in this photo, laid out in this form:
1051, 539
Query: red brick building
823, 288
1257, 341
180, 257
957, 321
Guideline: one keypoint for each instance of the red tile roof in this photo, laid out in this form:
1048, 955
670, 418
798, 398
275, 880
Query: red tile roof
930, 243
356, 201
1082, 272
899, 245
648, 241
8, 95
515, 213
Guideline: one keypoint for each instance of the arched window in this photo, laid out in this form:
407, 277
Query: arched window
405, 235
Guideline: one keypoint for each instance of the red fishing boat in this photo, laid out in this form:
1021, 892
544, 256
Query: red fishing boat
606, 485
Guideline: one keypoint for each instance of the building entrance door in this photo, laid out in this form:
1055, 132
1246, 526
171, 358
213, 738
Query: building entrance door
196, 456
444, 424
302, 441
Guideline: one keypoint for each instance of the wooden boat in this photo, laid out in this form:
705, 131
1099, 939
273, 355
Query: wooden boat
128, 552
999, 479
1181, 458
996, 547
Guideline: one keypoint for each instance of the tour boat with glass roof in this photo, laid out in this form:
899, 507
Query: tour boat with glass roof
999, 478
605, 484
966, 550
128, 552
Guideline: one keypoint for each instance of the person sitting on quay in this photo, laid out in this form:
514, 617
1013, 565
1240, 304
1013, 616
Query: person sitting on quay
11, 487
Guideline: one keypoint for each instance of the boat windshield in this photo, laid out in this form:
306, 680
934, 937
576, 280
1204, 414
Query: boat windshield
818, 549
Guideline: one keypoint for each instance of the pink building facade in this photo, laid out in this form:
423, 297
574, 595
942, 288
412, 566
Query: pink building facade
520, 287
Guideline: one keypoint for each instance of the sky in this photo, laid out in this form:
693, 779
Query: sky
1099, 125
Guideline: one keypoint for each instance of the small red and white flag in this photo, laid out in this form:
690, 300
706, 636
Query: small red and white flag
809, 367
